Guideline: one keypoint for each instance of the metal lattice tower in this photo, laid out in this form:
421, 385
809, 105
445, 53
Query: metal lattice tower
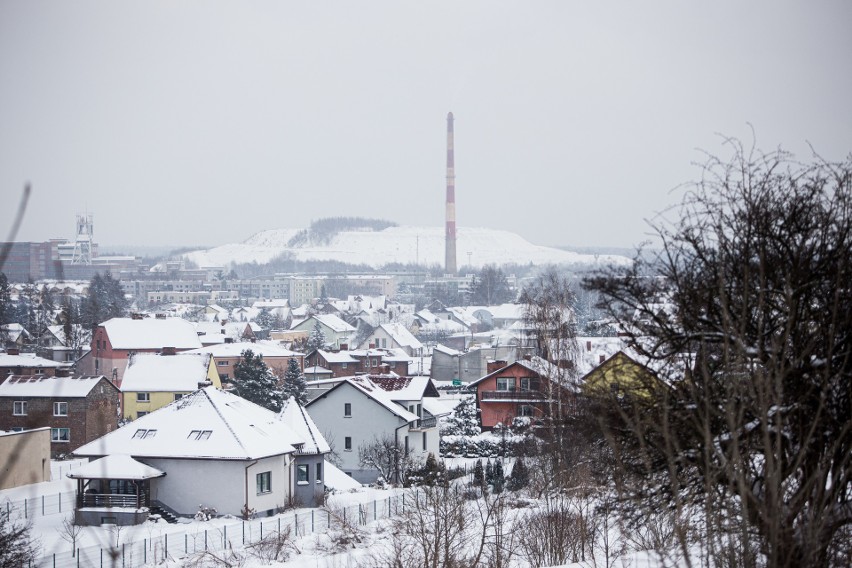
83, 242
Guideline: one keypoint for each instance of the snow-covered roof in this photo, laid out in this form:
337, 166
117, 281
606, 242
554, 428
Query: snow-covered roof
441, 348
363, 384
406, 388
264, 348
28, 360
116, 466
271, 304
57, 387
427, 316
401, 335
151, 333
464, 315
297, 418
147, 372
58, 332
206, 424
594, 350
337, 356
334, 323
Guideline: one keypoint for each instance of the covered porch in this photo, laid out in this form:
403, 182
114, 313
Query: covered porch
113, 490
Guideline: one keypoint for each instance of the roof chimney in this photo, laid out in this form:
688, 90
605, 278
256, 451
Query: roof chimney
13, 351
168, 351
492, 366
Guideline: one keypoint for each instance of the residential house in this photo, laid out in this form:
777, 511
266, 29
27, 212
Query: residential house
530, 388
619, 375
226, 355
76, 409
467, 366
56, 346
356, 412
14, 334
336, 330
152, 381
224, 331
115, 340
13, 362
253, 459
393, 336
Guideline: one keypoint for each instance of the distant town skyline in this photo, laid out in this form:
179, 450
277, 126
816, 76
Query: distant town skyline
202, 123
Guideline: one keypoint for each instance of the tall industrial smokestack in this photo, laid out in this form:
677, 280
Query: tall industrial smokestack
451, 201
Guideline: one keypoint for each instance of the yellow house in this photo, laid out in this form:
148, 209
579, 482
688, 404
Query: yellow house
618, 375
152, 381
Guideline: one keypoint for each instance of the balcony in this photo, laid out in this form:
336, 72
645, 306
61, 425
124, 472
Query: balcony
113, 500
513, 396
425, 423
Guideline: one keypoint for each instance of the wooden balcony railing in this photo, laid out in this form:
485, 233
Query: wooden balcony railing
425, 423
111, 500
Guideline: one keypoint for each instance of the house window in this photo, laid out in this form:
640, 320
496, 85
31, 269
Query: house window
264, 482
17, 429
505, 383
301, 474
60, 434
347, 443
529, 384
319, 472
60, 409
347, 410
150, 434
367, 363
526, 410
199, 434
222, 363
143, 397
19, 408
178, 396
343, 365
375, 362
140, 414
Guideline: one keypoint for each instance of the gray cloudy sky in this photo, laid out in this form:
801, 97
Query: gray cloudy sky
202, 122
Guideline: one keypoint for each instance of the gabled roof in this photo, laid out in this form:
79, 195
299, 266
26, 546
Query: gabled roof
363, 384
151, 333
28, 360
336, 356
334, 323
542, 368
406, 388
206, 424
297, 418
401, 335
147, 372
52, 387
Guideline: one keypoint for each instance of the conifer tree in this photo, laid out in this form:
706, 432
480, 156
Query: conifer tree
256, 383
316, 340
478, 474
294, 383
489, 473
499, 478
519, 478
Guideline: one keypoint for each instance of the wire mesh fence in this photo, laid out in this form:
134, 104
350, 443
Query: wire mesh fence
30, 508
220, 537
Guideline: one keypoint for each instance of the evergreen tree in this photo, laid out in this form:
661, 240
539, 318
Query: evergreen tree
499, 477
520, 476
7, 309
264, 319
294, 383
490, 287
464, 421
489, 473
256, 383
316, 340
105, 300
478, 474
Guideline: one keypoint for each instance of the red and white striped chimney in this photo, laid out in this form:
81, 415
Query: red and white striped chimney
451, 202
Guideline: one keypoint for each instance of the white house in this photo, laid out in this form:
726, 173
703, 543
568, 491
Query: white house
336, 330
358, 411
395, 336
221, 451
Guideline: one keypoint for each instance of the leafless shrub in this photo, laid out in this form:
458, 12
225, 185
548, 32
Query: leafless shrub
557, 533
276, 547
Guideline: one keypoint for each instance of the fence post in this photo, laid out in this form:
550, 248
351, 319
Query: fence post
59, 498
375, 504
167, 546
25, 508
102, 558
205, 540
244, 532
312, 520
42, 505
225, 538
295, 522
144, 551
279, 525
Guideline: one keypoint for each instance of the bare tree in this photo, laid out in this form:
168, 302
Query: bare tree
745, 314
70, 533
388, 457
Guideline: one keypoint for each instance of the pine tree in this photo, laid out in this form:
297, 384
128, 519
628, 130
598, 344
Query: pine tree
264, 319
316, 340
6, 307
256, 383
520, 477
294, 383
105, 300
464, 421
478, 474
489, 473
499, 478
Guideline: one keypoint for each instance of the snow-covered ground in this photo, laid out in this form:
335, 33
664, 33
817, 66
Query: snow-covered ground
425, 245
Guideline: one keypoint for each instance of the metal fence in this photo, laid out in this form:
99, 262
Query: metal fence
42, 505
236, 534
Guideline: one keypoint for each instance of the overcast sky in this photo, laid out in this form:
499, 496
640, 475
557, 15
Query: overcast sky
202, 122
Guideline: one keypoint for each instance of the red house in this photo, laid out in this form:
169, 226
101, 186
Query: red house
116, 339
526, 388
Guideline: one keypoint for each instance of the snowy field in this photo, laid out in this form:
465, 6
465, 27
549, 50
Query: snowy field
367, 538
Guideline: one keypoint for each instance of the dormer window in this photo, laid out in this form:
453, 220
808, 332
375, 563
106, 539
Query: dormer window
199, 434
143, 434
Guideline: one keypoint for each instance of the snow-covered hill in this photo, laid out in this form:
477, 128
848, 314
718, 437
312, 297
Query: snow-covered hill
475, 246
